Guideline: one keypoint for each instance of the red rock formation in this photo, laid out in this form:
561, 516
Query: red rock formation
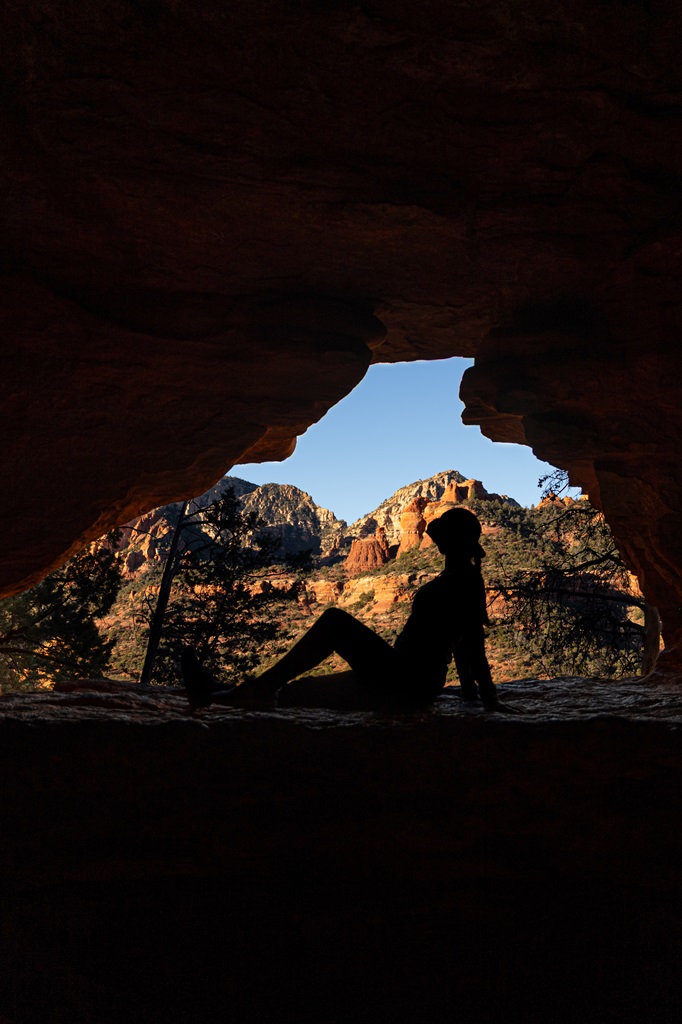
556, 501
386, 591
367, 553
412, 525
205, 212
324, 591
420, 512
432, 511
468, 491
454, 494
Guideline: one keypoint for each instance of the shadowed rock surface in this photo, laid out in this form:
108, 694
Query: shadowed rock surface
318, 865
213, 215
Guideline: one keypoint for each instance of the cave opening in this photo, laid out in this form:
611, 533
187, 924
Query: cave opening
200, 198
401, 423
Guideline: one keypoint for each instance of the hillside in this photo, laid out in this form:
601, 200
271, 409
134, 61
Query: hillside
292, 515
388, 514
373, 568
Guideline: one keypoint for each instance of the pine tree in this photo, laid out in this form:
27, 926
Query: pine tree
570, 602
51, 631
222, 597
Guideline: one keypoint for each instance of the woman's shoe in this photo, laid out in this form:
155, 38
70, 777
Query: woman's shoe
199, 684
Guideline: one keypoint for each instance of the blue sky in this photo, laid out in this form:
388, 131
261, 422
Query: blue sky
401, 423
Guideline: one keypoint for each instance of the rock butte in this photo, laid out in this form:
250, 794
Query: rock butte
421, 511
216, 216
368, 553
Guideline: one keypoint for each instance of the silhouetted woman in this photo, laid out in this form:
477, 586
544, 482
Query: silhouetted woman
447, 619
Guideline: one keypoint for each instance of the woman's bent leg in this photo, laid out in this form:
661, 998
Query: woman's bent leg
334, 632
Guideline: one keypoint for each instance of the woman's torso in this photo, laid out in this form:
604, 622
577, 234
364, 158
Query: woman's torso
442, 610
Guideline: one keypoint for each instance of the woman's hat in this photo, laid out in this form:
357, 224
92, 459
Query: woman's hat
457, 528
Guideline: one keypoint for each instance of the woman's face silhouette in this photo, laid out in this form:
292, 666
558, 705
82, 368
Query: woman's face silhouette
453, 549
455, 533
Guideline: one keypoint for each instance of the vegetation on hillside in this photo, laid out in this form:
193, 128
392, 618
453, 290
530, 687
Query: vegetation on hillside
52, 630
222, 595
561, 600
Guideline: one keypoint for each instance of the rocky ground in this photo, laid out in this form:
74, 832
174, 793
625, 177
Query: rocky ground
522, 700
315, 865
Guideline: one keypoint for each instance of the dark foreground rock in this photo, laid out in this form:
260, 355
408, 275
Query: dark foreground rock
312, 865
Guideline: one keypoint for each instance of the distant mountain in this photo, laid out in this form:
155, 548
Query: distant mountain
293, 516
286, 511
147, 539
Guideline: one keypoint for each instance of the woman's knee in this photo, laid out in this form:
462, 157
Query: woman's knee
332, 615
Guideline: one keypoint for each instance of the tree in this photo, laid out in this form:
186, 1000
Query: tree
573, 607
50, 631
222, 595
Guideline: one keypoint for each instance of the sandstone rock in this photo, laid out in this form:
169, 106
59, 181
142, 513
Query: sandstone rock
394, 589
367, 553
388, 514
133, 561
421, 512
556, 501
385, 591
432, 511
467, 490
324, 591
293, 517
412, 525
328, 820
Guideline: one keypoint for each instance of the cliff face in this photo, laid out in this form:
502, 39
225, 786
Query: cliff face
388, 515
419, 513
286, 512
147, 538
214, 222
412, 525
293, 516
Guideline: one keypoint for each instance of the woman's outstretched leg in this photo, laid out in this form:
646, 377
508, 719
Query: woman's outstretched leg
335, 632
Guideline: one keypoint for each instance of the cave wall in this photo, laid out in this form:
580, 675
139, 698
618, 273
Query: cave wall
216, 215
606, 410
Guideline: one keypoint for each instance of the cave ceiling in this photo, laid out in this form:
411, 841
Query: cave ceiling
215, 216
